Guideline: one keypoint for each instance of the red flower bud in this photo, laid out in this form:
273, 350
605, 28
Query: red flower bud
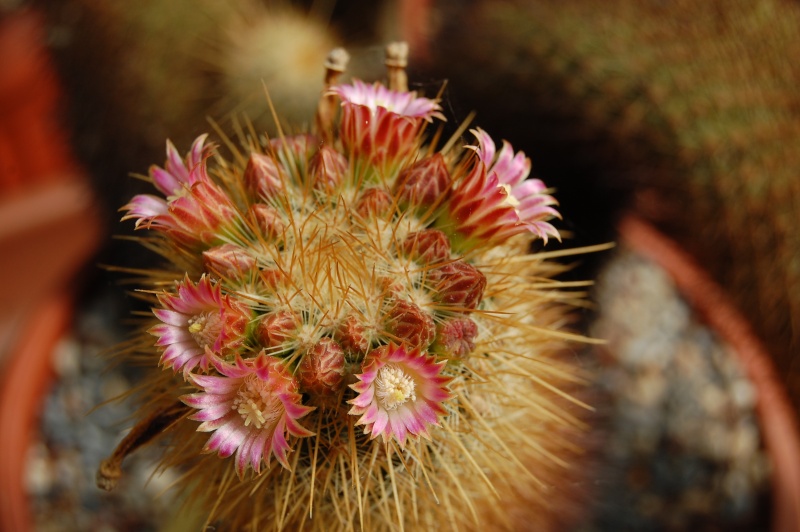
458, 284
262, 176
321, 372
228, 260
424, 183
428, 246
327, 168
272, 277
268, 219
455, 338
373, 202
351, 335
276, 328
408, 323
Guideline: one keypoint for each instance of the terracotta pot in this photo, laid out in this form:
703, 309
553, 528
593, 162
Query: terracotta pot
779, 426
48, 228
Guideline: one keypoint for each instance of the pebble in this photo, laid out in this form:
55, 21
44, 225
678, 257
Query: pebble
684, 448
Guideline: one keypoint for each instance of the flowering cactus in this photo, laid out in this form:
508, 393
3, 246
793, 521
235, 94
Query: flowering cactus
363, 308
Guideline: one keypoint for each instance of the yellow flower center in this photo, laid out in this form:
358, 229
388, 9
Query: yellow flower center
256, 404
205, 328
394, 387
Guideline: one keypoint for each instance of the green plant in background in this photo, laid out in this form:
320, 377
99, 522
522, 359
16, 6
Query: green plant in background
351, 331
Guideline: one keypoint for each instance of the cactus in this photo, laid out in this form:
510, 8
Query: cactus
351, 331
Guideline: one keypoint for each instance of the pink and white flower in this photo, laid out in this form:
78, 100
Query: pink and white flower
380, 124
250, 407
199, 323
194, 209
177, 173
495, 201
400, 393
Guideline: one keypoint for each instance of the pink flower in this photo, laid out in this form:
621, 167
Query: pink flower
400, 393
494, 201
381, 124
250, 408
194, 209
178, 174
199, 323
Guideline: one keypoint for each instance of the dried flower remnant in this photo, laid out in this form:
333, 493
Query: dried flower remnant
363, 308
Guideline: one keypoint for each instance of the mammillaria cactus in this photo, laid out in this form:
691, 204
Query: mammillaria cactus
363, 308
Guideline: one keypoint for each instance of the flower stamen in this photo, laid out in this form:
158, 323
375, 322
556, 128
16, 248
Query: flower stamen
204, 328
255, 404
394, 387
510, 200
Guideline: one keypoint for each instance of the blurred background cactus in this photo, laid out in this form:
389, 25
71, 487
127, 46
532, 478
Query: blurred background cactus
685, 111
137, 74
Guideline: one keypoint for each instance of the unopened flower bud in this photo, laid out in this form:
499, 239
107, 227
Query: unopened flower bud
424, 183
272, 277
352, 336
321, 372
455, 338
268, 219
262, 176
327, 168
228, 260
373, 202
428, 246
390, 285
276, 328
408, 323
458, 284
